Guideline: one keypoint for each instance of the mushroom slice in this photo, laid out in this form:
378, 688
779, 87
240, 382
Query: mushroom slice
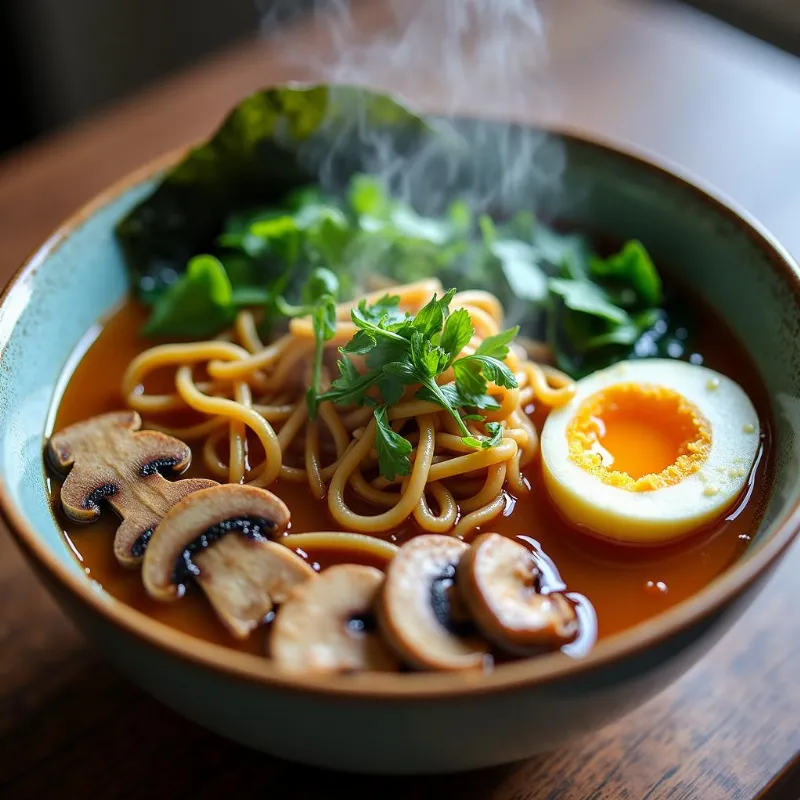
327, 625
108, 458
420, 611
497, 579
242, 575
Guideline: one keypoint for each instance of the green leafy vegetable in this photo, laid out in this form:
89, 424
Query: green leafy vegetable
518, 259
589, 298
198, 304
321, 282
497, 346
633, 271
319, 295
495, 431
393, 449
351, 387
490, 369
457, 333
600, 314
271, 144
246, 201
415, 351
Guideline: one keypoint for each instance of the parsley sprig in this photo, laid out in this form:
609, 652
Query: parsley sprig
401, 350
319, 302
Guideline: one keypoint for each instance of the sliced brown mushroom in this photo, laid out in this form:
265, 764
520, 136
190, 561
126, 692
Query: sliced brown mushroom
243, 574
420, 612
327, 625
109, 458
498, 581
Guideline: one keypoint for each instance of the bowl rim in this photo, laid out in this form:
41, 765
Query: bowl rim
526, 673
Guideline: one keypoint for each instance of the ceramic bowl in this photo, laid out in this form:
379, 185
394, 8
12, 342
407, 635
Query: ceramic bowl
418, 723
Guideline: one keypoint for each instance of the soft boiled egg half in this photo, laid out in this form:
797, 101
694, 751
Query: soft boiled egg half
647, 451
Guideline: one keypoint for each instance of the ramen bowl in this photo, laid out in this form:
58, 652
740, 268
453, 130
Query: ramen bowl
413, 722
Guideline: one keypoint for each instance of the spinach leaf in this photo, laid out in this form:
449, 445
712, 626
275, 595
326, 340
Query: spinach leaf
198, 304
589, 298
631, 273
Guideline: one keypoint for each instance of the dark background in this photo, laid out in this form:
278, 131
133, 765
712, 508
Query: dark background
61, 60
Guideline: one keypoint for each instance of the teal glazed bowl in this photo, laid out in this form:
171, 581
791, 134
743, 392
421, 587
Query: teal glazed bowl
408, 723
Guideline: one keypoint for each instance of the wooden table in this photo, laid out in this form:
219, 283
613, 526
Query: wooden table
658, 75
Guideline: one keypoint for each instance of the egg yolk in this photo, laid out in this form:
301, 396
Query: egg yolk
639, 437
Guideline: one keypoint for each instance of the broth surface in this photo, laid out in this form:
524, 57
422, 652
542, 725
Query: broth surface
625, 584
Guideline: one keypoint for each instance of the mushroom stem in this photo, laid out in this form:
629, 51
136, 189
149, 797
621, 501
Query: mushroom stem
217, 538
243, 578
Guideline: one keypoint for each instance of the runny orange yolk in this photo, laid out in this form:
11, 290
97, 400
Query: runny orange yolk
639, 437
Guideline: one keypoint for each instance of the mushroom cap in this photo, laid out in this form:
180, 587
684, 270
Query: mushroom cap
324, 626
104, 453
497, 579
109, 459
185, 530
418, 607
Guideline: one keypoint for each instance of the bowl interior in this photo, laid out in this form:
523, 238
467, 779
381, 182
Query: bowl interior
78, 277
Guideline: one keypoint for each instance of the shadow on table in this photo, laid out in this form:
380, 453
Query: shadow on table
91, 733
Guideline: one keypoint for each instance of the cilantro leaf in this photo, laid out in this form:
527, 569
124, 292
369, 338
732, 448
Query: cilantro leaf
351, 387
497, 346
430, 319
469, 376
387, 309
364, 318
483, 401
443, 396
324, 323
428, 359
386, 351
458, 330
319, 296
404, 370
495, 432
393, 449
391, 387
361, 343
491, 369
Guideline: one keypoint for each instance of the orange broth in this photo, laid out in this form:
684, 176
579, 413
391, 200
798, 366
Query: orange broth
626, 584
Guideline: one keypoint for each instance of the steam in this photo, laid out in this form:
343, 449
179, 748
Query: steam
485, 59
450, 55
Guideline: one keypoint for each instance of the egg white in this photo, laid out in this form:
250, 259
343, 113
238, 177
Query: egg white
673, 511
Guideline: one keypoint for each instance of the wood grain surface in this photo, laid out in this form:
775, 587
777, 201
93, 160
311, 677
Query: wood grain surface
661, 76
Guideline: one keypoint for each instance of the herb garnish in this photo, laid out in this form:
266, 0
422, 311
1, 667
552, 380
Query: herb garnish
591, 310
319, 302
400, 350
242, 203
